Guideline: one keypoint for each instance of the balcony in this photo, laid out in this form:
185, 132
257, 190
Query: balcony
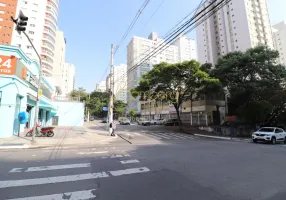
48, 46
48, 20
47, 67
47, 63
49, 38
47, 51
51, 11
46, 72
54, 4
46, 59
50, 25
49, 31
47, 56
51, 16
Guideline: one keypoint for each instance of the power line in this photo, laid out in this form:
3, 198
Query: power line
183, 28
146, 2
152, 15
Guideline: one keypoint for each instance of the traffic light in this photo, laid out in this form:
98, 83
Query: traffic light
21, 22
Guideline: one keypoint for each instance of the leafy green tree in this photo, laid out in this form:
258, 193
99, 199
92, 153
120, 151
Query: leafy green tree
79, 93
174, 83
255, 111
132, 113
251, 76
119, 107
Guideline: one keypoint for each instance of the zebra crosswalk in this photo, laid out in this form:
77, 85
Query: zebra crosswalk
166, 135
61, 180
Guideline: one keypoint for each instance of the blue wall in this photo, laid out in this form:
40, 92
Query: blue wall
70, 113
11, 88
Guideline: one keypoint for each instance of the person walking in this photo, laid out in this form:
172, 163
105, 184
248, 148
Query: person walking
113, 126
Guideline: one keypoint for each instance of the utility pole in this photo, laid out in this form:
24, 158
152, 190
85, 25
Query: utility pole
88, 109
111, 91
21, 23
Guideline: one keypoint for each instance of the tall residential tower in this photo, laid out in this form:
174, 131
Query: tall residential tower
239, 25
181, 50
41, 28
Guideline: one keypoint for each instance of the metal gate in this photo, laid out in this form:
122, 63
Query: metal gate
55, 120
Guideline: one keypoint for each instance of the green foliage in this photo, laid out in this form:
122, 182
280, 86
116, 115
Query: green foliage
252, 78
175, 83
132, 112
255, 111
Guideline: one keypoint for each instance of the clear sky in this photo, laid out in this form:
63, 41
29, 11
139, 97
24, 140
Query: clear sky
91, 27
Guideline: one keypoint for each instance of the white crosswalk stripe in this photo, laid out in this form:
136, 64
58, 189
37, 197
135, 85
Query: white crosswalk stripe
167, 136
79, 195
29, 177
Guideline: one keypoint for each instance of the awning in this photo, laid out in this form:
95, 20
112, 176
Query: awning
47, 106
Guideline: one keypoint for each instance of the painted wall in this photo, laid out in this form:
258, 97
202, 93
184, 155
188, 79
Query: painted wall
9, 109
70, 113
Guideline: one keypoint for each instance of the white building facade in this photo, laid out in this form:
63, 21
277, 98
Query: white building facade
41, 28
69, 78
101, 86
238, 26
279, 38
59, 69
140, 47
120, 82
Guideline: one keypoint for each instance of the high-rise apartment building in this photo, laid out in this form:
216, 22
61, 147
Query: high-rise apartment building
120, 82
41, 28
7, 9
183, 49
238, 26
279, 38
59, 71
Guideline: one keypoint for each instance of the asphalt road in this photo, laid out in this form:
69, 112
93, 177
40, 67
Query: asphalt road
173, 167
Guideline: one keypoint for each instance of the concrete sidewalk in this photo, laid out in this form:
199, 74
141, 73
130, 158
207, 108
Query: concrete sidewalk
87, 135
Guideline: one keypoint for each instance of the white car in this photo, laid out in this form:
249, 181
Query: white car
269, 134
156, 122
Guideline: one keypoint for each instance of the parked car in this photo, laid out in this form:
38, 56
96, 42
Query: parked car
125, 122
172, 122
145, 123
156, 122
269, 134
91, 118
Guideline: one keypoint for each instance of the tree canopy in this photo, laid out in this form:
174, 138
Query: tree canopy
175, 83
253, 78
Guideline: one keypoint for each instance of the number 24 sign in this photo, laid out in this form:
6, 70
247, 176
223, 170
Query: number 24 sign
7, 65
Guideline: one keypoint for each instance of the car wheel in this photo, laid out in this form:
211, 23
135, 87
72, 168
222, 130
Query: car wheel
155, 123
273, 140
285, 140
254, 140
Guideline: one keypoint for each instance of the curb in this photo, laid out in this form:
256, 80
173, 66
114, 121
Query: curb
221, 138
25, 146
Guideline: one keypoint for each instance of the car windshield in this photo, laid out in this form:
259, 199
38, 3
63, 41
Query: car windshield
266, 130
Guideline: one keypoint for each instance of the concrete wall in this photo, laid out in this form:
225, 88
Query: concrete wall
70, 113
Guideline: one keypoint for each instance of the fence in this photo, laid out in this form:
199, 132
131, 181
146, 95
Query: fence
193, 119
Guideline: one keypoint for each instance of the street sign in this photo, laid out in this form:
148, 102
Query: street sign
40, 92
105, 108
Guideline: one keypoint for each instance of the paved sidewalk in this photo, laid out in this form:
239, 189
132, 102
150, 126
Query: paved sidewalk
87, 135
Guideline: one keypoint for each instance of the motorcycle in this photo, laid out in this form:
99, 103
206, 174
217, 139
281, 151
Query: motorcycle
44, 132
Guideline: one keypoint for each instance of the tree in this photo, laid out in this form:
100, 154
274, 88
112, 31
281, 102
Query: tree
79, 93
251, 77
175, 83
119, 107
132, 113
